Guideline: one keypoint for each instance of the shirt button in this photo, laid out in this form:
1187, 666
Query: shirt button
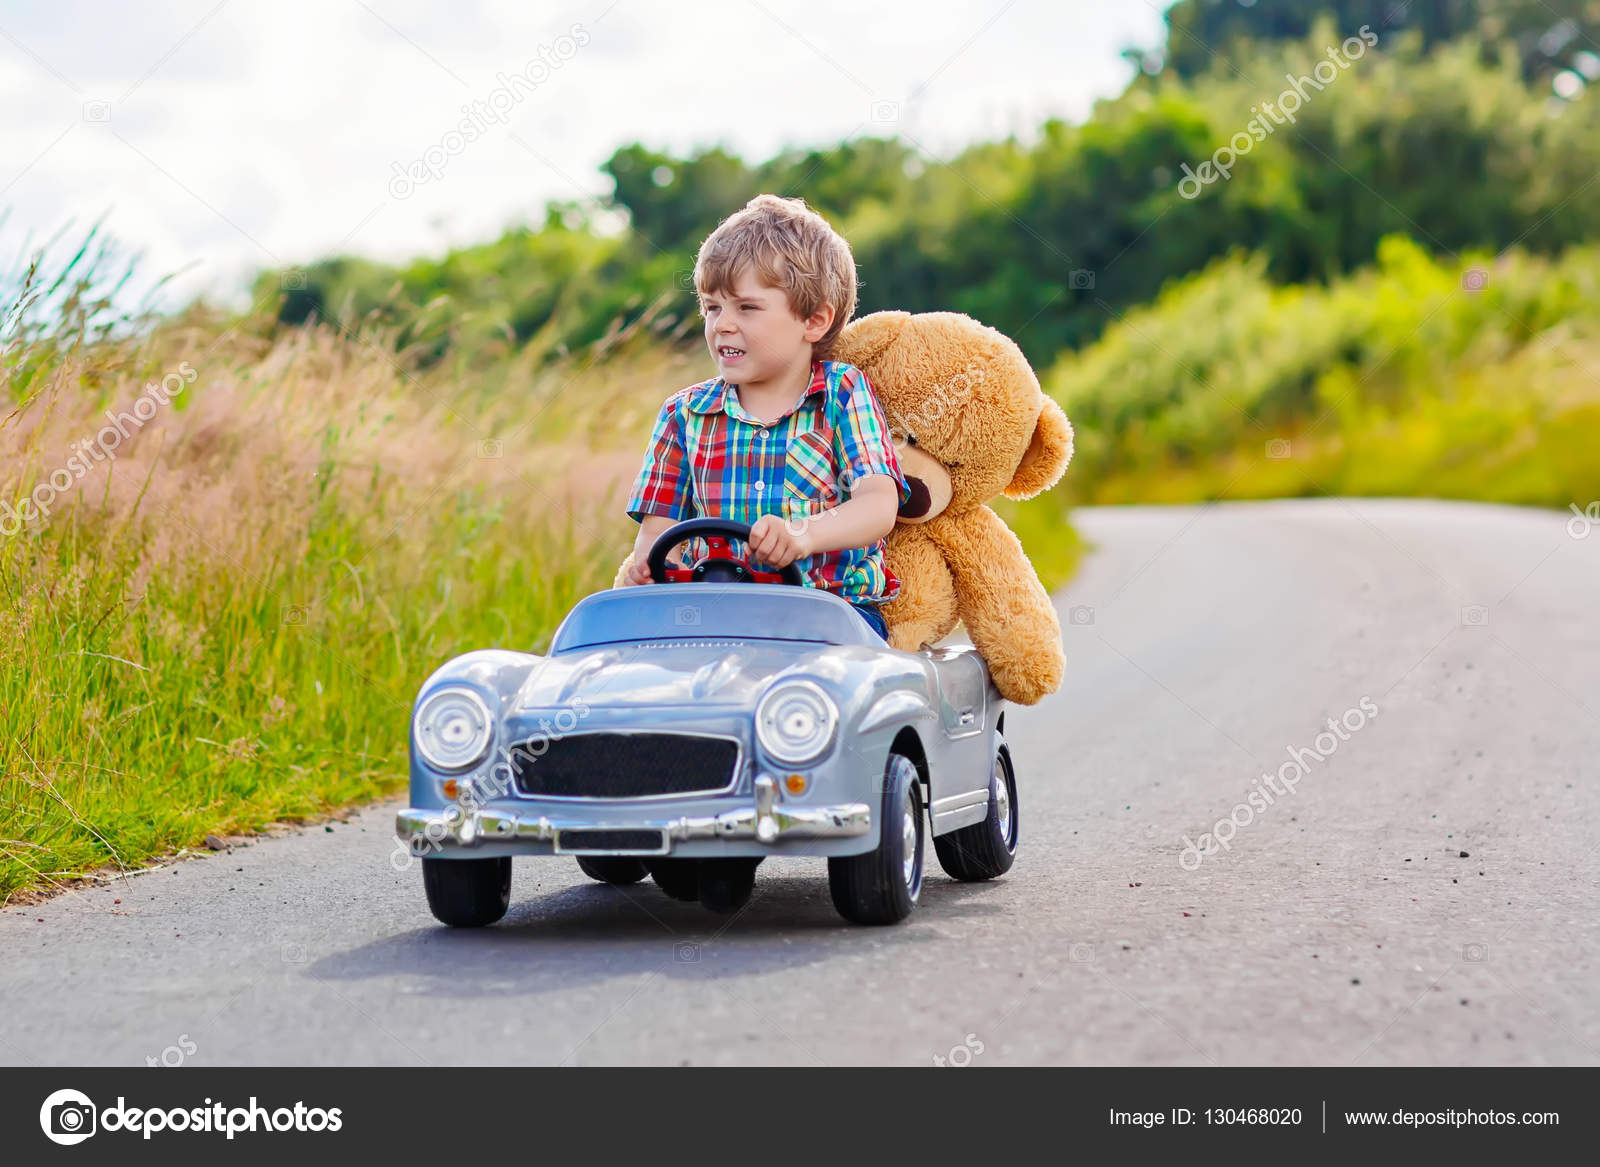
756, 487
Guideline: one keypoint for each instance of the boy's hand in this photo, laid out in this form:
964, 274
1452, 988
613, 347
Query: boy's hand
639, 572
776, 542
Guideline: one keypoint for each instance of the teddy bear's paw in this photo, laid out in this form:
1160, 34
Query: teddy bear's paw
1026, 682
620, 579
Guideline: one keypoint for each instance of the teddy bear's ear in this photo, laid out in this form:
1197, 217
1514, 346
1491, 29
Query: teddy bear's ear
1049, 451
863, 341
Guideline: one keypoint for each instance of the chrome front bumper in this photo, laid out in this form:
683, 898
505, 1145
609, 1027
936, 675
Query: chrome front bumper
765, 822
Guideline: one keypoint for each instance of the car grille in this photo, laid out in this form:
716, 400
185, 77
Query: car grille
625, 765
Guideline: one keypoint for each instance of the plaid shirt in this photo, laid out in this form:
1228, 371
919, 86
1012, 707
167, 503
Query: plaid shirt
708, 456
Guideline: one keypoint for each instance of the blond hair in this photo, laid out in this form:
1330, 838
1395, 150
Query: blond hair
789, 246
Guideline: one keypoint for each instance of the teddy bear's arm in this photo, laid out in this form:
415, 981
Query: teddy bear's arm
620, 579
1005, 608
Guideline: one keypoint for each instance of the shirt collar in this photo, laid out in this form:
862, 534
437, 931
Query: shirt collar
718, 394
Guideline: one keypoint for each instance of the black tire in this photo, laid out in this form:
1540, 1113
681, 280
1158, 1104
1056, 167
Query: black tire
882, 886
614, 869
726, 884
987, 849
679, 878
467, 893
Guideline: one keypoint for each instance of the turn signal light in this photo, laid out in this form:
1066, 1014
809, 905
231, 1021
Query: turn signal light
450, 788
796, 783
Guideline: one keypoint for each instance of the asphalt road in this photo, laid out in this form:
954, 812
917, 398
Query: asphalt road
1424, 894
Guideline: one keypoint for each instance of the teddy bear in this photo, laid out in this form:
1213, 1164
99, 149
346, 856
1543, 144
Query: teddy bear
970, 423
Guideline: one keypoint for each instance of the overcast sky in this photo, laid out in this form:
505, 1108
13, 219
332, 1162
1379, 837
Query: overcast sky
253, 133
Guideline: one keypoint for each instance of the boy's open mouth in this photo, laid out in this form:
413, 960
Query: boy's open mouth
728, 353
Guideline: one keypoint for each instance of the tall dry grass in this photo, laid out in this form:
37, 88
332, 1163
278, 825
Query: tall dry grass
223, 623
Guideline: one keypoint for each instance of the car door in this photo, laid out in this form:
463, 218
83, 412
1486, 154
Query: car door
959, 770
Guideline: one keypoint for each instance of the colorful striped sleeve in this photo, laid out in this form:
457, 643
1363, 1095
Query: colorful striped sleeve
663, 486
862, 436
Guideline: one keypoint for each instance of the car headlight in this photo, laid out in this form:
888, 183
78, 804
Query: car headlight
796, 721
453, 729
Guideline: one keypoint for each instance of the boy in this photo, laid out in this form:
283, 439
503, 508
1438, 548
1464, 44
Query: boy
785, 440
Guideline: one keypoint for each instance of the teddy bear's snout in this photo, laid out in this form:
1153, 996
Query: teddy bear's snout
929, 482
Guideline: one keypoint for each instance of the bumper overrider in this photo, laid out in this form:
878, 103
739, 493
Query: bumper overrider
767, 821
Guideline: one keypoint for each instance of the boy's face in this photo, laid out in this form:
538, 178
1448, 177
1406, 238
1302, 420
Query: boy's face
753, 334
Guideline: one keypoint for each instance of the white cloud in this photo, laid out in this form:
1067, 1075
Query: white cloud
249, 134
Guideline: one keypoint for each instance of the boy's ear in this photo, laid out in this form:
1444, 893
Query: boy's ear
1049, 451
821, 320
863, 341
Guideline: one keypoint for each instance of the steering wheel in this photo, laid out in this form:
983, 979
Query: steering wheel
719, 565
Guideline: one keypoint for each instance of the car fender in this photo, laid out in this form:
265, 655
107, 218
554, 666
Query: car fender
493, 674
896, 709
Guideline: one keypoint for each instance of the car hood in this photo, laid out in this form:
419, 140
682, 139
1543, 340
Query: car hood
672, 673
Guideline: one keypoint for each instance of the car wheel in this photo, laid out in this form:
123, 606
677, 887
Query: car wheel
987, 849
612, 868
467, 893
726, 884
882, 886
679, 878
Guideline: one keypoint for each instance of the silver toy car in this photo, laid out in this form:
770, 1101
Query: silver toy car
687, 732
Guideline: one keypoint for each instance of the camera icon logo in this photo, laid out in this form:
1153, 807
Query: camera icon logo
886, 111
294, 615
686, 615
1474, 616
1081, 279
97, 111
684, 277
1080, 614
292, 279
67, 1117
491, 448
1081, 953
1474, 279
686, 952
1582, 522
1279, 448
1476, 953
294, 953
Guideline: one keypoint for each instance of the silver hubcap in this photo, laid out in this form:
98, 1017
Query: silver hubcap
1002, 802
908, 840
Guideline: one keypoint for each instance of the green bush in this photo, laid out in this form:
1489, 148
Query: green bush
1404, 378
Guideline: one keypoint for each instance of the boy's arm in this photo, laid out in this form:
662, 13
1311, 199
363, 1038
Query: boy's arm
867, 470
865, 518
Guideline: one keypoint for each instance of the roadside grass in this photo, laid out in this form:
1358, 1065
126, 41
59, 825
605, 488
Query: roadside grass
223, 626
